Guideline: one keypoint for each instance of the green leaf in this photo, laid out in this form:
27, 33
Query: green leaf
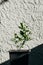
21, 25
26, 38
16, 42
17, 46
15, 35
21, 32
27, 30
12, 39
30, 32
24, 29
29, 38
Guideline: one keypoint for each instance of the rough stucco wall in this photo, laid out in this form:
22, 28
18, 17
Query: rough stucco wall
11, 14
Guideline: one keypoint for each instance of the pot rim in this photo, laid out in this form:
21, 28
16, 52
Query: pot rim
20, 50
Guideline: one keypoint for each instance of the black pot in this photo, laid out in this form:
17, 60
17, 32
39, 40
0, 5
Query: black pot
19, 57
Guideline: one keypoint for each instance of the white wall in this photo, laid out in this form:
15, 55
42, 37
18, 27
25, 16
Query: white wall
11, 14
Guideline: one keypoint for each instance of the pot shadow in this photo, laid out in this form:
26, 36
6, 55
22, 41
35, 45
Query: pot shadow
6, 63
36, 55
35, 58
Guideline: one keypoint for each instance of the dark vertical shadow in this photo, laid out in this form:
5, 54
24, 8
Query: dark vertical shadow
36, 56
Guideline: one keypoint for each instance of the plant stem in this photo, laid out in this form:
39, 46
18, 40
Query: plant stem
22, 44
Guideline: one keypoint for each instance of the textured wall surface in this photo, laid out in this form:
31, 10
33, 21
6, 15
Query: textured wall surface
11, 14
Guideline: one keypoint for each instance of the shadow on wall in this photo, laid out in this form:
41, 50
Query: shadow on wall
36, 56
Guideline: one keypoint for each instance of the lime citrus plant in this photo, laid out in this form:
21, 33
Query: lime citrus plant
24, 34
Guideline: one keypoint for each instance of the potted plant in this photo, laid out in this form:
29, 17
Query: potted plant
20, 56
